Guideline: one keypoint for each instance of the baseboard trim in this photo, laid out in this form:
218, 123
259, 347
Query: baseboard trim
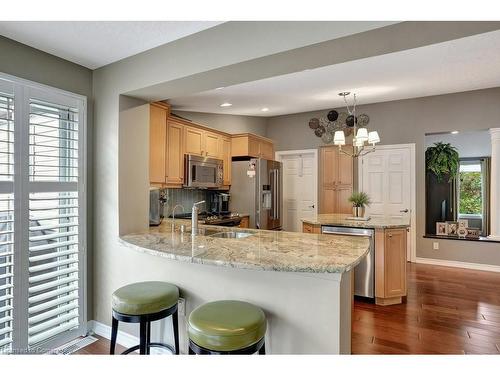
124, 339
457, 264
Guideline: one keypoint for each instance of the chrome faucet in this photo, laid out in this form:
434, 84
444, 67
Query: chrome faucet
194, 218
173, 215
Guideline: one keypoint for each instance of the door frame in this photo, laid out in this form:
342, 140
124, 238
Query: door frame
278, 156
411, 255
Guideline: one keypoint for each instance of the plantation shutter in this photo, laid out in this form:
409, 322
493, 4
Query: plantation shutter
42, 216
54, 293
6, 216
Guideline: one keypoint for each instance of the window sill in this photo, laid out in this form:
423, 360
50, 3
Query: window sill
456, 238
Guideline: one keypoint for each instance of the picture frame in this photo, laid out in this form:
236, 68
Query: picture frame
463, 223
462, 232
451, 228
473, 232
441, 229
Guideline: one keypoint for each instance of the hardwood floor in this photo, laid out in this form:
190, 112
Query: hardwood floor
447, 311
101, 346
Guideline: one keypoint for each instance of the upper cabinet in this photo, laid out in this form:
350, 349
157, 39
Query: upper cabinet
193, 141
174, 170
225, 155
252, 145
336, 180
171, 137
157, 143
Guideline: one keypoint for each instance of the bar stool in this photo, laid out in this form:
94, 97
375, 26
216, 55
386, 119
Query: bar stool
144, 303
227, 327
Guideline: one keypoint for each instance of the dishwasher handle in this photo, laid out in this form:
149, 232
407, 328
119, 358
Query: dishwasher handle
327, 230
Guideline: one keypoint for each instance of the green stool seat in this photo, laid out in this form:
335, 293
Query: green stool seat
225, 326
145, 298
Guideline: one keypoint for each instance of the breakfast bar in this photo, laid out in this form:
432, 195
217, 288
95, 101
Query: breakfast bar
302, 281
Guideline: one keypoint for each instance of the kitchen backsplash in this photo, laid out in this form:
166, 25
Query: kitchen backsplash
184, 197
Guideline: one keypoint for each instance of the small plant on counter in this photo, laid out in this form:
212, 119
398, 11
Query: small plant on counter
359, 199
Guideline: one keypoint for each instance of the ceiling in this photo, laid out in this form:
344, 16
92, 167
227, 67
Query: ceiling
460, 65
96, 43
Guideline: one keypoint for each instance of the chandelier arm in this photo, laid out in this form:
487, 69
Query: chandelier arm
346, 153
368, 151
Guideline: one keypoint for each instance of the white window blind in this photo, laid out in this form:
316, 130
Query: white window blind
6, 220
46, 238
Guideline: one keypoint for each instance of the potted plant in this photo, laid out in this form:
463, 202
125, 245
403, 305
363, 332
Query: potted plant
442, 159
359, 200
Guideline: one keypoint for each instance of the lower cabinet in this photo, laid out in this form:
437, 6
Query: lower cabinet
390, 266
311, 228
245, 222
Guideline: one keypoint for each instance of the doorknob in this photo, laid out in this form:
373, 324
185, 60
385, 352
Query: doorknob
405, 210
311, 206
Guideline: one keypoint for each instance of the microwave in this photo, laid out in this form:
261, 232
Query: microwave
202, 172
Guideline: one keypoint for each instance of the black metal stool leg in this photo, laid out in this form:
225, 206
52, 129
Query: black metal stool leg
148, 336
143, 338
262, 349
175, 322
114, 333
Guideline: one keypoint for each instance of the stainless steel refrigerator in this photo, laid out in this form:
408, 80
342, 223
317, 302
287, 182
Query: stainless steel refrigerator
257, 190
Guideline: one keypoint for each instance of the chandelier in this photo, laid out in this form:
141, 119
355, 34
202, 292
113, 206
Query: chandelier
361, 137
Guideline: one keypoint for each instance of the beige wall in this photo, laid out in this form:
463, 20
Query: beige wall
25, 62
231, 124
407, 121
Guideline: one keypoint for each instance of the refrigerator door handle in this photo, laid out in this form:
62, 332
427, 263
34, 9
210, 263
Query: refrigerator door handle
271, 187
278, 197
274, 194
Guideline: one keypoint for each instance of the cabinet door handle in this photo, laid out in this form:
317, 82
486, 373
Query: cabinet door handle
390, 235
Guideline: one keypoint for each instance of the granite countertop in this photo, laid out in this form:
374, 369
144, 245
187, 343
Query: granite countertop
342, 221
262, 250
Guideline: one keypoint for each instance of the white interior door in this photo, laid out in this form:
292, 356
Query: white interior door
387, 175
300, 187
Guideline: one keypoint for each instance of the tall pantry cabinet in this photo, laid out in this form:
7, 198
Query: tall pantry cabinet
335, 180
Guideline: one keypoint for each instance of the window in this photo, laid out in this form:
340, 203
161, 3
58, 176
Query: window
42, 216
473, 192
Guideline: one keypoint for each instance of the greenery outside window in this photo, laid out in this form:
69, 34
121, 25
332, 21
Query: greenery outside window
472, 192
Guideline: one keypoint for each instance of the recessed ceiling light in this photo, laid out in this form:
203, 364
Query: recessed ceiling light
226, 104
454, 132
265, 109
219, 88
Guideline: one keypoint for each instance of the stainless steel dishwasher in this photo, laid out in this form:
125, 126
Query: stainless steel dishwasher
364, 272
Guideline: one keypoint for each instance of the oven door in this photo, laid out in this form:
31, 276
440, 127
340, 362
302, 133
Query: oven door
202, 172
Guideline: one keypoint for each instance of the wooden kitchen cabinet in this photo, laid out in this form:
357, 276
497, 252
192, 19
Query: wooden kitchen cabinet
252, 145
212, 145
193, 141
390, 265
245, 222
201, 142
311, 228
336, 180
225, 155
157, 144
174, 170
171, 137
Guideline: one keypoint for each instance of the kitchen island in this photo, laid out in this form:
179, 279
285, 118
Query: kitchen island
302, 281
386, 262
